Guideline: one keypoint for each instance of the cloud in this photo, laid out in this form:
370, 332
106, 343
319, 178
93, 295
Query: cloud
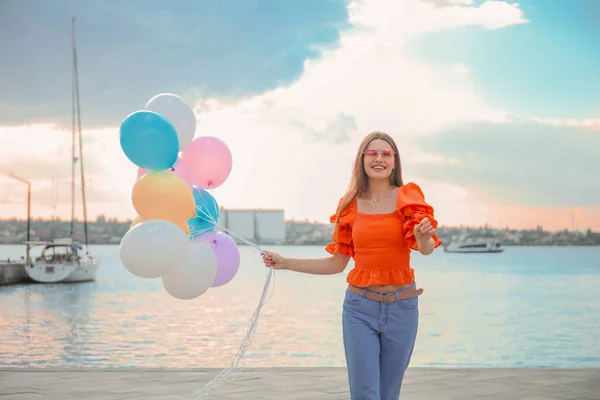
42, 154
443, 3
367, 87
342, 128
460, 68
420, 17
338, 130
282, 140
43, 151
41, 168
491, 15
54, 191
337, 127
299, 139
588, 123
130, 51
365, 83
524, 163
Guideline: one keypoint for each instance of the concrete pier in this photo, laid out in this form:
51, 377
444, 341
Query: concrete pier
12, 273
297, 384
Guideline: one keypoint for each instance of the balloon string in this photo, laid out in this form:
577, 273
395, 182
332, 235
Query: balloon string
205, 215
237, 363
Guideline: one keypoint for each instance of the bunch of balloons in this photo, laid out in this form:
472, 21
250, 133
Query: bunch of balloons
174, 236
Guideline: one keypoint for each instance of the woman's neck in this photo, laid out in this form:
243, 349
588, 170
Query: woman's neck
379, 189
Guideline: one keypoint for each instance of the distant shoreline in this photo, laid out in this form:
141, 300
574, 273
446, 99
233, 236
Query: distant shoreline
297, 233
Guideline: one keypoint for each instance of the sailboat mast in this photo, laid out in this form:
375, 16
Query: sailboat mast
76, 77
73, 159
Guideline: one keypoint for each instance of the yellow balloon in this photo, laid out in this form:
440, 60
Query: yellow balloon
183, 225
161, 195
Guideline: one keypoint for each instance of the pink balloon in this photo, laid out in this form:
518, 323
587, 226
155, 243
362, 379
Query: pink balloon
209, 160
181, 170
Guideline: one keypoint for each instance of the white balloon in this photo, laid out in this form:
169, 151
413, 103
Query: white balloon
154, 247
178, 113
194, 276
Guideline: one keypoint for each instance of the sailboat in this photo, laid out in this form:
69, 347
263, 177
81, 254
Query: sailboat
62, 259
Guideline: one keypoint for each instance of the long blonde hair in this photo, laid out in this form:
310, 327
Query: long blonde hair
359, 180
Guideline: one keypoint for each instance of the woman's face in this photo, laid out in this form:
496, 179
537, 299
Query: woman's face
379, 159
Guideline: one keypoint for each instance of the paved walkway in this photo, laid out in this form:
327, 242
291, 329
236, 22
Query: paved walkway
296, 384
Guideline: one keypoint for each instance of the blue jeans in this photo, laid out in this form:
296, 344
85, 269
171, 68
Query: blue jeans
379, 339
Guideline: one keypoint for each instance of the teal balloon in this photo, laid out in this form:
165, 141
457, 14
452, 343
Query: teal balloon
207, 207
149, 140
199, 226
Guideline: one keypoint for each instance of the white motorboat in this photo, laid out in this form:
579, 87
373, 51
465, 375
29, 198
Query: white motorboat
470, 245
61, 261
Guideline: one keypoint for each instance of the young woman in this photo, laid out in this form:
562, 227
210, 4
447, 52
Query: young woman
377, 223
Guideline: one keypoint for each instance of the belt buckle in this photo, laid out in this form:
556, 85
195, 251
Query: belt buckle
385, 298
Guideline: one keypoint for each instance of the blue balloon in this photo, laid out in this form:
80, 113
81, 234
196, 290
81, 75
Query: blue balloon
149, 140
199, 226
206, 205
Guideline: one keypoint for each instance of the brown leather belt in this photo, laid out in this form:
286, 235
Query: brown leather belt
389, 297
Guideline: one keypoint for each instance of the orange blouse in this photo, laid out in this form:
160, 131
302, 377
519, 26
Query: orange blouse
380, 244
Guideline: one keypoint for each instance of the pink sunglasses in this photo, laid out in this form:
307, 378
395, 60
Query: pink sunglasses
387, 153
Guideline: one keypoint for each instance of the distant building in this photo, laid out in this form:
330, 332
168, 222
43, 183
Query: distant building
262, 226
539, 229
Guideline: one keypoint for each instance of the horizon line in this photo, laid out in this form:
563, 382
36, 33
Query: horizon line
482, 226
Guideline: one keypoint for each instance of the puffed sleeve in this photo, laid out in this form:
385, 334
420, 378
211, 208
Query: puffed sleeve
413, 207
342, 232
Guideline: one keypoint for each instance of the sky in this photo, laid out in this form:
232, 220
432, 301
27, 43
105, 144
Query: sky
495, 106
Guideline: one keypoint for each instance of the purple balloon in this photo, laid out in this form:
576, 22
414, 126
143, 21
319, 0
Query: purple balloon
227, 253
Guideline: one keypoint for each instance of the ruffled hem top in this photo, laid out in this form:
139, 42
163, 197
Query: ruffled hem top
380, 244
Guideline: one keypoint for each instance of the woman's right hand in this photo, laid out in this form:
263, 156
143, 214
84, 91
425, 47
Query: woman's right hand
271, 259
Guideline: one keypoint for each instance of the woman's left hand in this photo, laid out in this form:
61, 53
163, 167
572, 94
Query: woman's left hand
424, 230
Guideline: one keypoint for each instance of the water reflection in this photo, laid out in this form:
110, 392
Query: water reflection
52, 321
506, 310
